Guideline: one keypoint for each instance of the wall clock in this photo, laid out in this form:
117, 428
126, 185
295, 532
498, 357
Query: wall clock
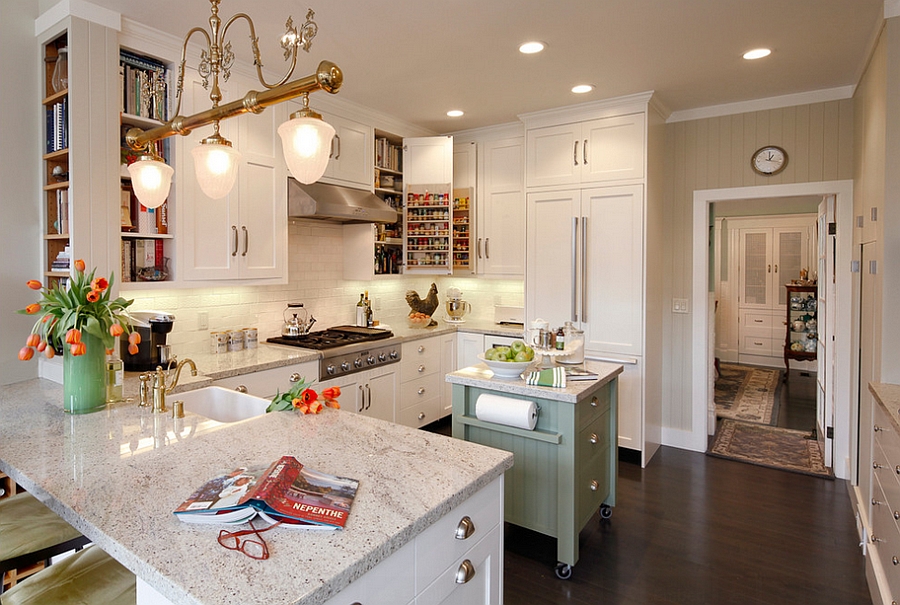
769, 160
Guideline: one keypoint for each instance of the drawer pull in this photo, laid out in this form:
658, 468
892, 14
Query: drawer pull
877, 428
594, 402
594, 486
594, 438
876, 539
420, 369
876, 502
421, 415
897, 468
895, 561
295, 377
421, 349
421, 390
465, 572
465, 529
897, 515
759, 321
240, 388
759, 344
876, 466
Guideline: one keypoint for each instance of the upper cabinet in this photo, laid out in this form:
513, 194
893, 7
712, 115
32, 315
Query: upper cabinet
500, 236
428, 193
602, 150
352, 153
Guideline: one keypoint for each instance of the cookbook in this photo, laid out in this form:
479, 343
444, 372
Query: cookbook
285, 492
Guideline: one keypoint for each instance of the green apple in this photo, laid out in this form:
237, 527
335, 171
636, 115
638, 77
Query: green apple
490, 354
529, 354
523, 356
502, 353
517, 346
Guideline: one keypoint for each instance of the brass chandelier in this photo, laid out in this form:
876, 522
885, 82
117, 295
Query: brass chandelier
305, 137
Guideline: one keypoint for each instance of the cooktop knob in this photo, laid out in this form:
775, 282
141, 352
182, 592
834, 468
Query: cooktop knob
330, 369
358, 362
370, 360
382, 357
345, 366
394, 354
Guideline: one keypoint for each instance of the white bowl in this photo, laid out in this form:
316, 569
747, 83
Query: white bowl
506, 369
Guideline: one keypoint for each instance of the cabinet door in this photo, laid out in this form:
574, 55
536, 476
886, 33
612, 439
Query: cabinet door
427, 160
631, 406
613, 270
613, 149
481, 586
448, 364
467, 349
352, 153
501, 213
553, 155
756, 268
550, 279
790, 253
351, 391
379, 394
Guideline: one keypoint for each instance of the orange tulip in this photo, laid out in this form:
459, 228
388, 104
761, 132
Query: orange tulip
79, 265
116, 330
41, 346
308, 396
79, 348
331, 392
100, 284
133, 349
93, 296
26, 353
134, 338
33, 308
296, 402
49, 353
33, 340
304, 409
315, 407
73, 336
34, 284
46, 318
333, 403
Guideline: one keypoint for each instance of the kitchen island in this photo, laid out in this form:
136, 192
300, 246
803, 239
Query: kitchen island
566, 466
116, 475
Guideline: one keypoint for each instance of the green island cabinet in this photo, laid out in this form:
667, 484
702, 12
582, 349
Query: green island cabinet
564, 469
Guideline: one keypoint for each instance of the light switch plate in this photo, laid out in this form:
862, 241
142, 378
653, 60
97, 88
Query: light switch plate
203, 320
680, 305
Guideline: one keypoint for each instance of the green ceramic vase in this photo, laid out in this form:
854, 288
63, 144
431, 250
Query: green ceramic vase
84, 378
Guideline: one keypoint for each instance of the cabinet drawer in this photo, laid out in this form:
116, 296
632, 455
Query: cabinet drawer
266, 383
595, 406
886, 436
760, 345
592, 480
757, 319
417, 390
592, 439
886, 539
420, 357
391, 582
480, 586
422, 413
438, 546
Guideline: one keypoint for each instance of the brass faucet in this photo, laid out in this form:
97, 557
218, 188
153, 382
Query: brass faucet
160, 388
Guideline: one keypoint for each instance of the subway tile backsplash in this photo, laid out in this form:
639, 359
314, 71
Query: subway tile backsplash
315, 270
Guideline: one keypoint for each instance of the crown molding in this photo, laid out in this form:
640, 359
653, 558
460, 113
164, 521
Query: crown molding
77, 8
727, 109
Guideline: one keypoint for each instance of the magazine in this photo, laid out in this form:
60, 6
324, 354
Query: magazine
580, 374
285, 492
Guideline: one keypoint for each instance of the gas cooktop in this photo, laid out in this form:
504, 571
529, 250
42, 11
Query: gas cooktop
347, 349
337, 336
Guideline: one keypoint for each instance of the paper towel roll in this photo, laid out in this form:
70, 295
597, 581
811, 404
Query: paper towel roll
519, 413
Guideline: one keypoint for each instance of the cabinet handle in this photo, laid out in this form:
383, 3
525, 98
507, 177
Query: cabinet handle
421, 390
759, 344
897, 468
584, 152
362, 396
234, 233
337, 138
246, 240
295, 377
487, 248
876, 466
479, 248
575, 153
465, 572
768, 268
877, 428
593, 438
575, 268
584, 269
421, 415
465, 529
420, 369
240, 388
421, 349
594, 402
368, 396
876, 539
594, 486
759, 321
776, 267
876, 502
896, 515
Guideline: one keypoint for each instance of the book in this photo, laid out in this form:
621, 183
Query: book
285, 492
573, 373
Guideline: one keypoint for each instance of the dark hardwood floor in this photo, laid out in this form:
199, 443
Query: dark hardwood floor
692, 529
797, 401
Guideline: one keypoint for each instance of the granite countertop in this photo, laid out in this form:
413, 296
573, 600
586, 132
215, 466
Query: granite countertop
888, 395
480, 376
116, 475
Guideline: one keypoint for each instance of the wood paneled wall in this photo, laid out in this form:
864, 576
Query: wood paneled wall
714, 153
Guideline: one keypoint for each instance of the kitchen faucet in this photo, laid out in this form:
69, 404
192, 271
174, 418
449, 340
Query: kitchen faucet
160, 388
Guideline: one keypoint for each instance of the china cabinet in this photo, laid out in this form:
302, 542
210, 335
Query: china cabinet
801, 327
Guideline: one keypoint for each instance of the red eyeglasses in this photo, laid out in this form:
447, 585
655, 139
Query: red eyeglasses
255, 547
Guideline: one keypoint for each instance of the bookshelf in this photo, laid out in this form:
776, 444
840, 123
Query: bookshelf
389, 187
55, 159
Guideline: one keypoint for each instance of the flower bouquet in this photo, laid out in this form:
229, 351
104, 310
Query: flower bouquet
304, 399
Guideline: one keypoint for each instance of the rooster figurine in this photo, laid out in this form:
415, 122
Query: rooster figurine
427, 306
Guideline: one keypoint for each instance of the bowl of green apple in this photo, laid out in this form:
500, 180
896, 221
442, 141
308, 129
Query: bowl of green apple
508, 362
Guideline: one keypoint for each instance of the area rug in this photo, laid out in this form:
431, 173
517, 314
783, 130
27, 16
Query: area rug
746, 393
769, 446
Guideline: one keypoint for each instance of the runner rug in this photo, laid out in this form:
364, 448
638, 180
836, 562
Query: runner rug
769, 446
746, 393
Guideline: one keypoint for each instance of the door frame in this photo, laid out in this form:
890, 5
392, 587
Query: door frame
843, 190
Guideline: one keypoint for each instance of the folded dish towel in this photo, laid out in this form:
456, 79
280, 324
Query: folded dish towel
551, 377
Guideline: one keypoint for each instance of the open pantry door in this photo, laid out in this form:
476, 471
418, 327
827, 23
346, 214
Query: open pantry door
825, 251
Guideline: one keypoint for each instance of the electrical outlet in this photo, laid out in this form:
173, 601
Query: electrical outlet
679, 305
203, 320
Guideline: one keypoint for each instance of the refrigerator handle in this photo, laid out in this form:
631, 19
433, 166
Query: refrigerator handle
584, 269
574, 268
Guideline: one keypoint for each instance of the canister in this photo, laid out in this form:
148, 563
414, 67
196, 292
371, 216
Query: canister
218, 342
235, 340
574, 345
251, 338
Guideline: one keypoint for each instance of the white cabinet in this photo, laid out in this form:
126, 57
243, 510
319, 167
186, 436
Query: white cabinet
371, 392
422, 383
352, 153
448, 364
468, 347
267, 383
595, 151
244, 235
428, 193
500, 210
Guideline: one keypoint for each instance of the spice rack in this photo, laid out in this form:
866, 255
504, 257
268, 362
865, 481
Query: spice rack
462, 228
427, 226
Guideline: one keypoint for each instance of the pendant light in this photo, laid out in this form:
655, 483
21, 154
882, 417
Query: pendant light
215, 165
306, 142
151, 179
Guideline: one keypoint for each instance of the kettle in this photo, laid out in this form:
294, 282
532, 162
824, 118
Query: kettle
300, 322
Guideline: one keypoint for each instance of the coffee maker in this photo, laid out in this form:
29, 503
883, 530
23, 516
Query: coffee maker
153, 326
456, 307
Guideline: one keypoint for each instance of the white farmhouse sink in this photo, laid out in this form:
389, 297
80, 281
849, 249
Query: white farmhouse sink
220, 404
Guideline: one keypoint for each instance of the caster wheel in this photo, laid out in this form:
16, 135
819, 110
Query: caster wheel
605, 511
563, 571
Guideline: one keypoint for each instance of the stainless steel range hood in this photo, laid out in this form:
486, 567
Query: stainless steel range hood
336, 203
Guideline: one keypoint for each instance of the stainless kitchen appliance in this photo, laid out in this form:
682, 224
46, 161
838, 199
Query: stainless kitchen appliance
336, 203
347, 349
153, 326
299, 323
456, 306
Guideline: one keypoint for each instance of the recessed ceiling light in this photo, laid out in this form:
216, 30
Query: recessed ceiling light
454, 113
582, 88
529, 48
757, 53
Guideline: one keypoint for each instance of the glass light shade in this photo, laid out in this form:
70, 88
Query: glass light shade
151, 180
215, 165
307, 145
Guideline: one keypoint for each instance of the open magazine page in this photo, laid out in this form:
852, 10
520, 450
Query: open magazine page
222, 493
276, 479
314, 497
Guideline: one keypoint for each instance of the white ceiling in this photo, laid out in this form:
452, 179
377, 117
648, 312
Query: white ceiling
416, 59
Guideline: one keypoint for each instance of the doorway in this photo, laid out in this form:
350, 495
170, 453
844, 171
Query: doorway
703, 423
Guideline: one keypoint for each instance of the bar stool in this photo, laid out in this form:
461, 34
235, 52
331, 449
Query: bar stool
30, 533
89, 577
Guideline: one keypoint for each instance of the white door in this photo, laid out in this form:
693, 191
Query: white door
826, 324
553, 155
756, 268
428, 160
612, 149
501, 213
790, 254
380, 389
